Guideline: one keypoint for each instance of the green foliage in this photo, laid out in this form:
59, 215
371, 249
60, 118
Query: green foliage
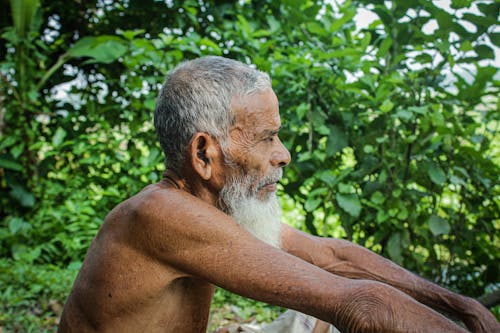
31, 296
393, 128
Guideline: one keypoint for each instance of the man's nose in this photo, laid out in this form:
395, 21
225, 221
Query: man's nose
281, 157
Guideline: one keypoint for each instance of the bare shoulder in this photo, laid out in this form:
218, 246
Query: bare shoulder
157, 203
167, 222
156, 206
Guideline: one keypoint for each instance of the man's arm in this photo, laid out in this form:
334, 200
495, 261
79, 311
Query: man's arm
349, 260
194, 237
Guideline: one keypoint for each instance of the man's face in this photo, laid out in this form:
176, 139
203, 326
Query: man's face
254, 160
254, 148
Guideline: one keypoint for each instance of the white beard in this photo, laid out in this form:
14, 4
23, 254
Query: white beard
262, 218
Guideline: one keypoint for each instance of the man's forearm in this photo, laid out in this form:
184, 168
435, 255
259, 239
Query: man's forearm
343, 258
349, 260
354, 261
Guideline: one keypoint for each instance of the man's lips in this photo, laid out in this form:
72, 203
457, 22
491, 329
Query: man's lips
271, 187
270, 182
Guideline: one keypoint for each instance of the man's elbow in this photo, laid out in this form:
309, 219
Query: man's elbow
367, 308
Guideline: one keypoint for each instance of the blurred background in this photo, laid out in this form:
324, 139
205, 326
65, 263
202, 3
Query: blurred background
390, 110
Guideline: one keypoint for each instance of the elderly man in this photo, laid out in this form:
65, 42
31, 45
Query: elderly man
214, 218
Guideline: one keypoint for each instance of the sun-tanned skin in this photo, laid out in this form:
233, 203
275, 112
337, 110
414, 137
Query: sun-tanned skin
154, 263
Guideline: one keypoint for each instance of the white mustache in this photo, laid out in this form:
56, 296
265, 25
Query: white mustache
271, 179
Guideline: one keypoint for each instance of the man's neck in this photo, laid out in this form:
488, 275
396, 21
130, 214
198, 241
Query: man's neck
191, 184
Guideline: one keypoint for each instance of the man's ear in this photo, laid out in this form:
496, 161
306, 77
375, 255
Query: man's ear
202, 154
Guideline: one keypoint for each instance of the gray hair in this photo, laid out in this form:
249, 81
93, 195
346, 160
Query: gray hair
196, 97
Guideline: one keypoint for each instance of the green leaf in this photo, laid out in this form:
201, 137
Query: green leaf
350, 203
466, 46
377, 198
419, 109
58, 137
457, 4
393, 212
150, 103
368, 149
75, 266
481, 22
154, 153
394, 247
316, 28
403, 214
25, 198
82, 47
337, 140
436, 174
438, 225
328, 177
495, 38
340, 53
381, 216
23, 15
15, 224
489, 9
345, 188
312, 203
404, 115
384, 47
23, 252
130, 34
445, 20
16, 151
384, 14
102, 49
19, 250
338, 23
209, 44
274, 25
386, 106
8, 141
319, 191
11, 165
457, 180
484, 52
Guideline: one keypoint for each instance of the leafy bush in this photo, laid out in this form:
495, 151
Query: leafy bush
393, 129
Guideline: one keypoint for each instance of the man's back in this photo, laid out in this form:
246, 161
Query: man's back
121, 286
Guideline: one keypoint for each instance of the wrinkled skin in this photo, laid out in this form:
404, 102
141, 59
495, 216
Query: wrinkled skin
154, 263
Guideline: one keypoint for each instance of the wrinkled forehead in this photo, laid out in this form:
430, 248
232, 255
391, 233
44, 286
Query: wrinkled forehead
256, 109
